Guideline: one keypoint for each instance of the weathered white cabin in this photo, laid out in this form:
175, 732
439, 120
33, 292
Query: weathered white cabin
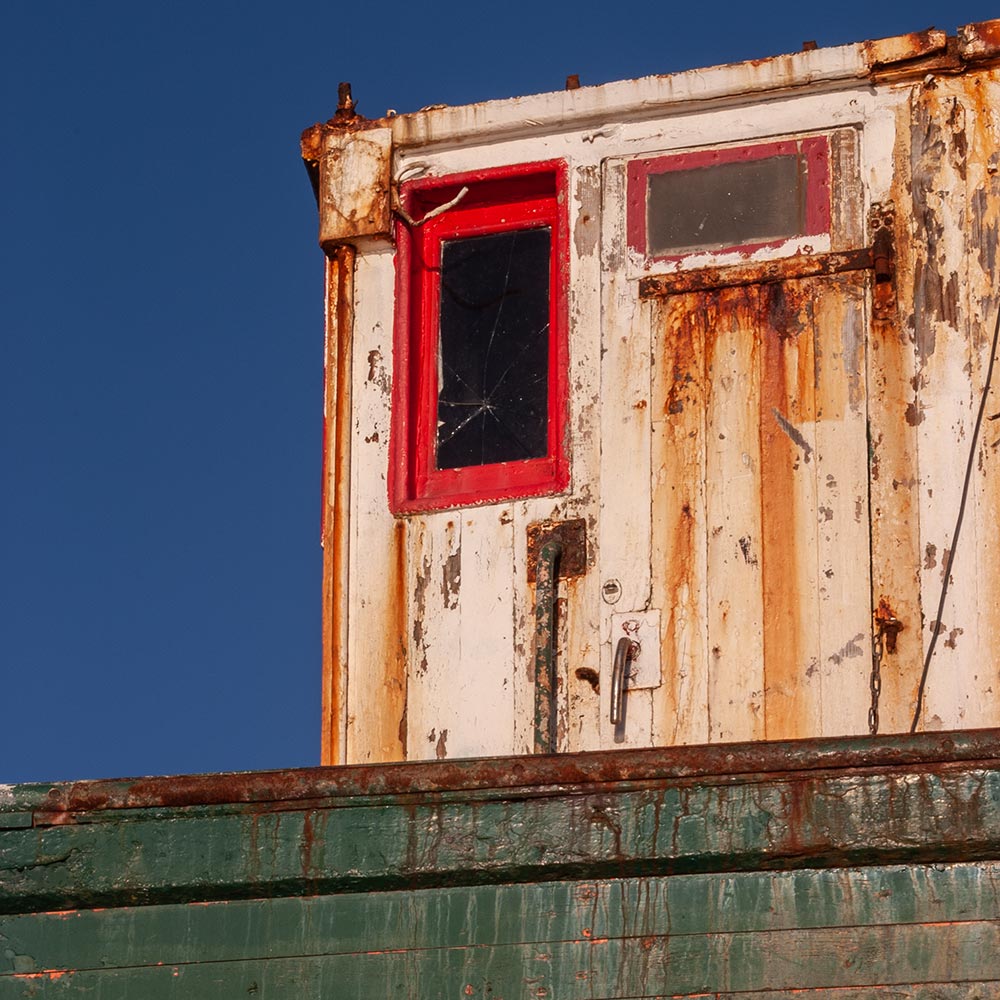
711, 347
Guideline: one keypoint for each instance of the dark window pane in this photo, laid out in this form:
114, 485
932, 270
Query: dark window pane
494, 349
726, 205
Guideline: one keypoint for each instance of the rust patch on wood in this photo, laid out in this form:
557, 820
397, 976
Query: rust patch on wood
683, 338
394, 681
787, 388
881, 52
979, 42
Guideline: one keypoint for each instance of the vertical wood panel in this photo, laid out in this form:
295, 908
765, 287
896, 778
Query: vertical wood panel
435, 675
377, 640
680, 575
842, 512
625, 531
583, 660
735, 598
982, 238
523, 620
483, 681
894, 485
788, 511
945, 403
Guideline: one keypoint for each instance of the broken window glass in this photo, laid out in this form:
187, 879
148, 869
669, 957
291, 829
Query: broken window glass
493, 355
726, 204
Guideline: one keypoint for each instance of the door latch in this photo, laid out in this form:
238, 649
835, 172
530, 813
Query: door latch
624, 652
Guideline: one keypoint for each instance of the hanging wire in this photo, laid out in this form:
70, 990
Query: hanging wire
958, 527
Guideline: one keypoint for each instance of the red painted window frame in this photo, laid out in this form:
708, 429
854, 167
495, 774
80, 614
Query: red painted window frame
815, 149
503, 199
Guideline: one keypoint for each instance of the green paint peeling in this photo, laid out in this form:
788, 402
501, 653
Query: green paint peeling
835, 877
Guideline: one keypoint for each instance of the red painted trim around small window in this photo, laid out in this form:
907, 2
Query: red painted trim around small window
815, 149
503, 199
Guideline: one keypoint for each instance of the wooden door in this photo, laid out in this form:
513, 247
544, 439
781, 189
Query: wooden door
736, 500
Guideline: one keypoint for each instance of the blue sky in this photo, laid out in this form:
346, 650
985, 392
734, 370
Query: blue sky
161, 335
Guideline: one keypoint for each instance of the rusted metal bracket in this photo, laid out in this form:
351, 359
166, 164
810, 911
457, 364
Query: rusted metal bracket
572, 536
887, 625
879, 257
767, 272
546, 684
882, 235
555, 550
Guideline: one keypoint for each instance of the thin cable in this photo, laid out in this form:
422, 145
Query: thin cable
958, 527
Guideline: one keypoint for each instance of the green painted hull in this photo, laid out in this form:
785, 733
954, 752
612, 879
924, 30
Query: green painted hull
837, 867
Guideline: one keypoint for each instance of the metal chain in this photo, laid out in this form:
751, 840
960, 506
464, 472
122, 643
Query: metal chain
878, 649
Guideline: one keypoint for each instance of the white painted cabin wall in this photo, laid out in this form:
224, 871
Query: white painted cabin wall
443, 666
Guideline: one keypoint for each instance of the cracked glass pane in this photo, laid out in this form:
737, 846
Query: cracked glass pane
494, 349
727, 204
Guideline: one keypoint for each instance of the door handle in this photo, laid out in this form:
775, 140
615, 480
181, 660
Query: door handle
624, 652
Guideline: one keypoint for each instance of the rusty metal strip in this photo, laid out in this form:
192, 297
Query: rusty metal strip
750, 760
758, 273
337, 497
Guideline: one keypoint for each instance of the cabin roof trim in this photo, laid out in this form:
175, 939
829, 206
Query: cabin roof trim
899, 57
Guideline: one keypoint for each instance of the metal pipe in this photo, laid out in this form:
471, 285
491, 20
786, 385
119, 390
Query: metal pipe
546, 574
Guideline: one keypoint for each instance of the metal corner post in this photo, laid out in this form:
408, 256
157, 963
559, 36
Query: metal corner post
336, 497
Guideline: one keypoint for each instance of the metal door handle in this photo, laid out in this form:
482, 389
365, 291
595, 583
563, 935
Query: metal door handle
619, 685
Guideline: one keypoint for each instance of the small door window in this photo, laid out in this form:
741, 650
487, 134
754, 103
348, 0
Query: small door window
480, 371
737, 198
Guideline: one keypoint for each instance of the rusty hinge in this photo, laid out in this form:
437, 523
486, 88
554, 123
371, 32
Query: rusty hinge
882, 237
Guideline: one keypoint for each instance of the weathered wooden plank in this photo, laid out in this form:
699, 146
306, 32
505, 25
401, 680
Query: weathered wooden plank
435, 668
625, 528
483, 687
485, 779
945, 404
978, 990
661, 827
680, 573
523, 615
583, 726
379, 623
982, 98
735, 551
656, 964
894, 484
788, 511
353, 923
842, 516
